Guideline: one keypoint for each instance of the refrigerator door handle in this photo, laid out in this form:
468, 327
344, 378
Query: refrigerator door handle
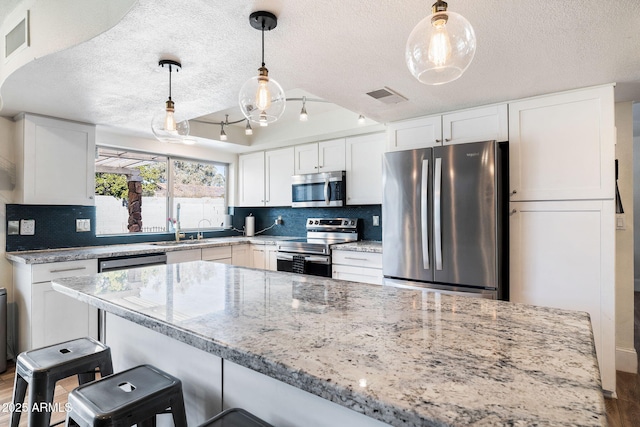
437, 213
326, 191
424, 212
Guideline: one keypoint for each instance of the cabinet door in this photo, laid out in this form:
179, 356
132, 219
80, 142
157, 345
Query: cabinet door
364, 169
279, 169
562, 254
258, 257
271, 257
306, 158
58, 162
561, 147
417, 133
357, 274
478, 124
331, 155
241, 255
187, 255
251, 179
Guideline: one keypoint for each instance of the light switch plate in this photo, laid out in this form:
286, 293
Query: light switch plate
83, 225
27, 227
376, 221
13, 228
620, 222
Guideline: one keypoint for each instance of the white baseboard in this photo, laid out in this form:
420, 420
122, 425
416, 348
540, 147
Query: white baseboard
626, 360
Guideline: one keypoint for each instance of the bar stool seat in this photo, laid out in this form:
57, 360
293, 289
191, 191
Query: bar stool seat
41, 368
235, 417
134, 396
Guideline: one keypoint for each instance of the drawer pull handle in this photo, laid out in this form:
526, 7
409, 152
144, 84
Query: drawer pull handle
355, 259
62, 270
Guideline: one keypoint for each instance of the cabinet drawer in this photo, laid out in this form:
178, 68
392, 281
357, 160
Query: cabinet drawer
218, 252
357, 274
358, 259
56, 270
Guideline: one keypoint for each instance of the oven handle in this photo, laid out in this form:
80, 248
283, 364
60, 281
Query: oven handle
308, 258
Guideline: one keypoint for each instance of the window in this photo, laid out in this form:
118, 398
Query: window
141, 192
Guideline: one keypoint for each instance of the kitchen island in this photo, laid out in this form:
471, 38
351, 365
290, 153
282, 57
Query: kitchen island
305, 348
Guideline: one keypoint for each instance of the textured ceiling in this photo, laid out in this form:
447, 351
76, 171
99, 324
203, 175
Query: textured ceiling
334, 49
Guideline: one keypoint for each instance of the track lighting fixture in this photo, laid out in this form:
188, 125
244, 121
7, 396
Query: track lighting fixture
361, 119
248, 130
441, 46
223, 134
166, 125
261, 98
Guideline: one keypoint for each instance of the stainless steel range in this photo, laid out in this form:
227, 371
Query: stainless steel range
312, 255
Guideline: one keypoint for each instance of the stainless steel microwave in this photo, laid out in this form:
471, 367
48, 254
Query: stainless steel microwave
318, 189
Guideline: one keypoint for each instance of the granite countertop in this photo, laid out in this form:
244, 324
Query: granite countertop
94, 252
372, 246
405, 357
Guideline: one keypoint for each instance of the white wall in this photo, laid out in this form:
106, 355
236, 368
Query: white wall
626, 357
7, 147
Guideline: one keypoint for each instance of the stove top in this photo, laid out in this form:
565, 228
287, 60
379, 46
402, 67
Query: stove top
321, 234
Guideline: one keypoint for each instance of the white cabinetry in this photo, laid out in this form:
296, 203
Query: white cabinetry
561, 147
55, 161
184, 255
221, 254
264, 257
364, 169
241, 255
46, 316
473, 125
323, 156
264, 178
251, 179
365, 267
563, 255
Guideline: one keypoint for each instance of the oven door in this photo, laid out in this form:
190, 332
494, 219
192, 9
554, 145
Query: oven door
316, 265
318, 190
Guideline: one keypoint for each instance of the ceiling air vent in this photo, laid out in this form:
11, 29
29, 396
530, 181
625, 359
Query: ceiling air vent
18, 37
386, 95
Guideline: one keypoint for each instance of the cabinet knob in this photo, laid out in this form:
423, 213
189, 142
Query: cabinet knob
512, 193
447, 139
438, 140
513, 212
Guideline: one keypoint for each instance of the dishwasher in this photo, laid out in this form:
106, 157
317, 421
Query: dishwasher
123, 263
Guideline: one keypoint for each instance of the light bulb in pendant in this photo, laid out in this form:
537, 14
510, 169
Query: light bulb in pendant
440, 45
263, 95
169, 118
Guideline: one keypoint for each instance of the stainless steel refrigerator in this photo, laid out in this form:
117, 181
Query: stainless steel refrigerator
444, 217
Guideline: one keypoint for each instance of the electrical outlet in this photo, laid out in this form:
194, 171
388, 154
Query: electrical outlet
27, 227
83, 225
279, 220
376, 221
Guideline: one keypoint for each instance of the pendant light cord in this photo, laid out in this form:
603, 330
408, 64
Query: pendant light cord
169, 82
263, 42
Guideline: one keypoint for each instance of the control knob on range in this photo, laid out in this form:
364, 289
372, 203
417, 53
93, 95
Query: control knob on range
310, 222
317, 222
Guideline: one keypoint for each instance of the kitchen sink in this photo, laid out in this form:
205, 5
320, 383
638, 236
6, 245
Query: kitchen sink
174, 243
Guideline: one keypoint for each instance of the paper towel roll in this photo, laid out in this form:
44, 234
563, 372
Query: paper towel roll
249, 225
227, 221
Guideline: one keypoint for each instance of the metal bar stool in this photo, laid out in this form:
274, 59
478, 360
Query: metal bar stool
235, 417
134, 396
41, 368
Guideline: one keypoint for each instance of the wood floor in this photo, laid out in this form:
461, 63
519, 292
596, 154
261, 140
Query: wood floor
621, 412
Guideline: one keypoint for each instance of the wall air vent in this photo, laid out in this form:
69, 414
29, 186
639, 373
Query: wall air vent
18, 37
386, 95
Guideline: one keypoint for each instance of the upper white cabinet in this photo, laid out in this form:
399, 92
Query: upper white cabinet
323, 156
473, 125
364, 169
264, 178
562, 146
278, 172
54, 161
251, 179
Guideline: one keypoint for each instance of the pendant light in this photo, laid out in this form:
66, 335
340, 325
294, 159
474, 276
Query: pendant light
441, 46
261, 98
166, 126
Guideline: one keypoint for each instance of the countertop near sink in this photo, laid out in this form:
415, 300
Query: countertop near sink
372, 246
94, 252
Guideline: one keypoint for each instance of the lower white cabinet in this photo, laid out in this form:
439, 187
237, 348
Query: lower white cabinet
221, 254
562, 254
264, 257
241, 255
365, 267
46, 316
184, 256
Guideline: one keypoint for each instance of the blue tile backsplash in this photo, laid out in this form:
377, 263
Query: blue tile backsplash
56, 225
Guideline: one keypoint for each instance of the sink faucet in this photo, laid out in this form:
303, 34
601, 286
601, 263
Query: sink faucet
200, 232
178, 233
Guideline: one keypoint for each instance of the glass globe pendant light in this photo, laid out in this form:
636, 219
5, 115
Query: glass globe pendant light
441, 46
261, 98
166, 126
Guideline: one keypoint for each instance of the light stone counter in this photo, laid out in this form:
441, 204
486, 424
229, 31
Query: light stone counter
372, 246
94, 252
404, 357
